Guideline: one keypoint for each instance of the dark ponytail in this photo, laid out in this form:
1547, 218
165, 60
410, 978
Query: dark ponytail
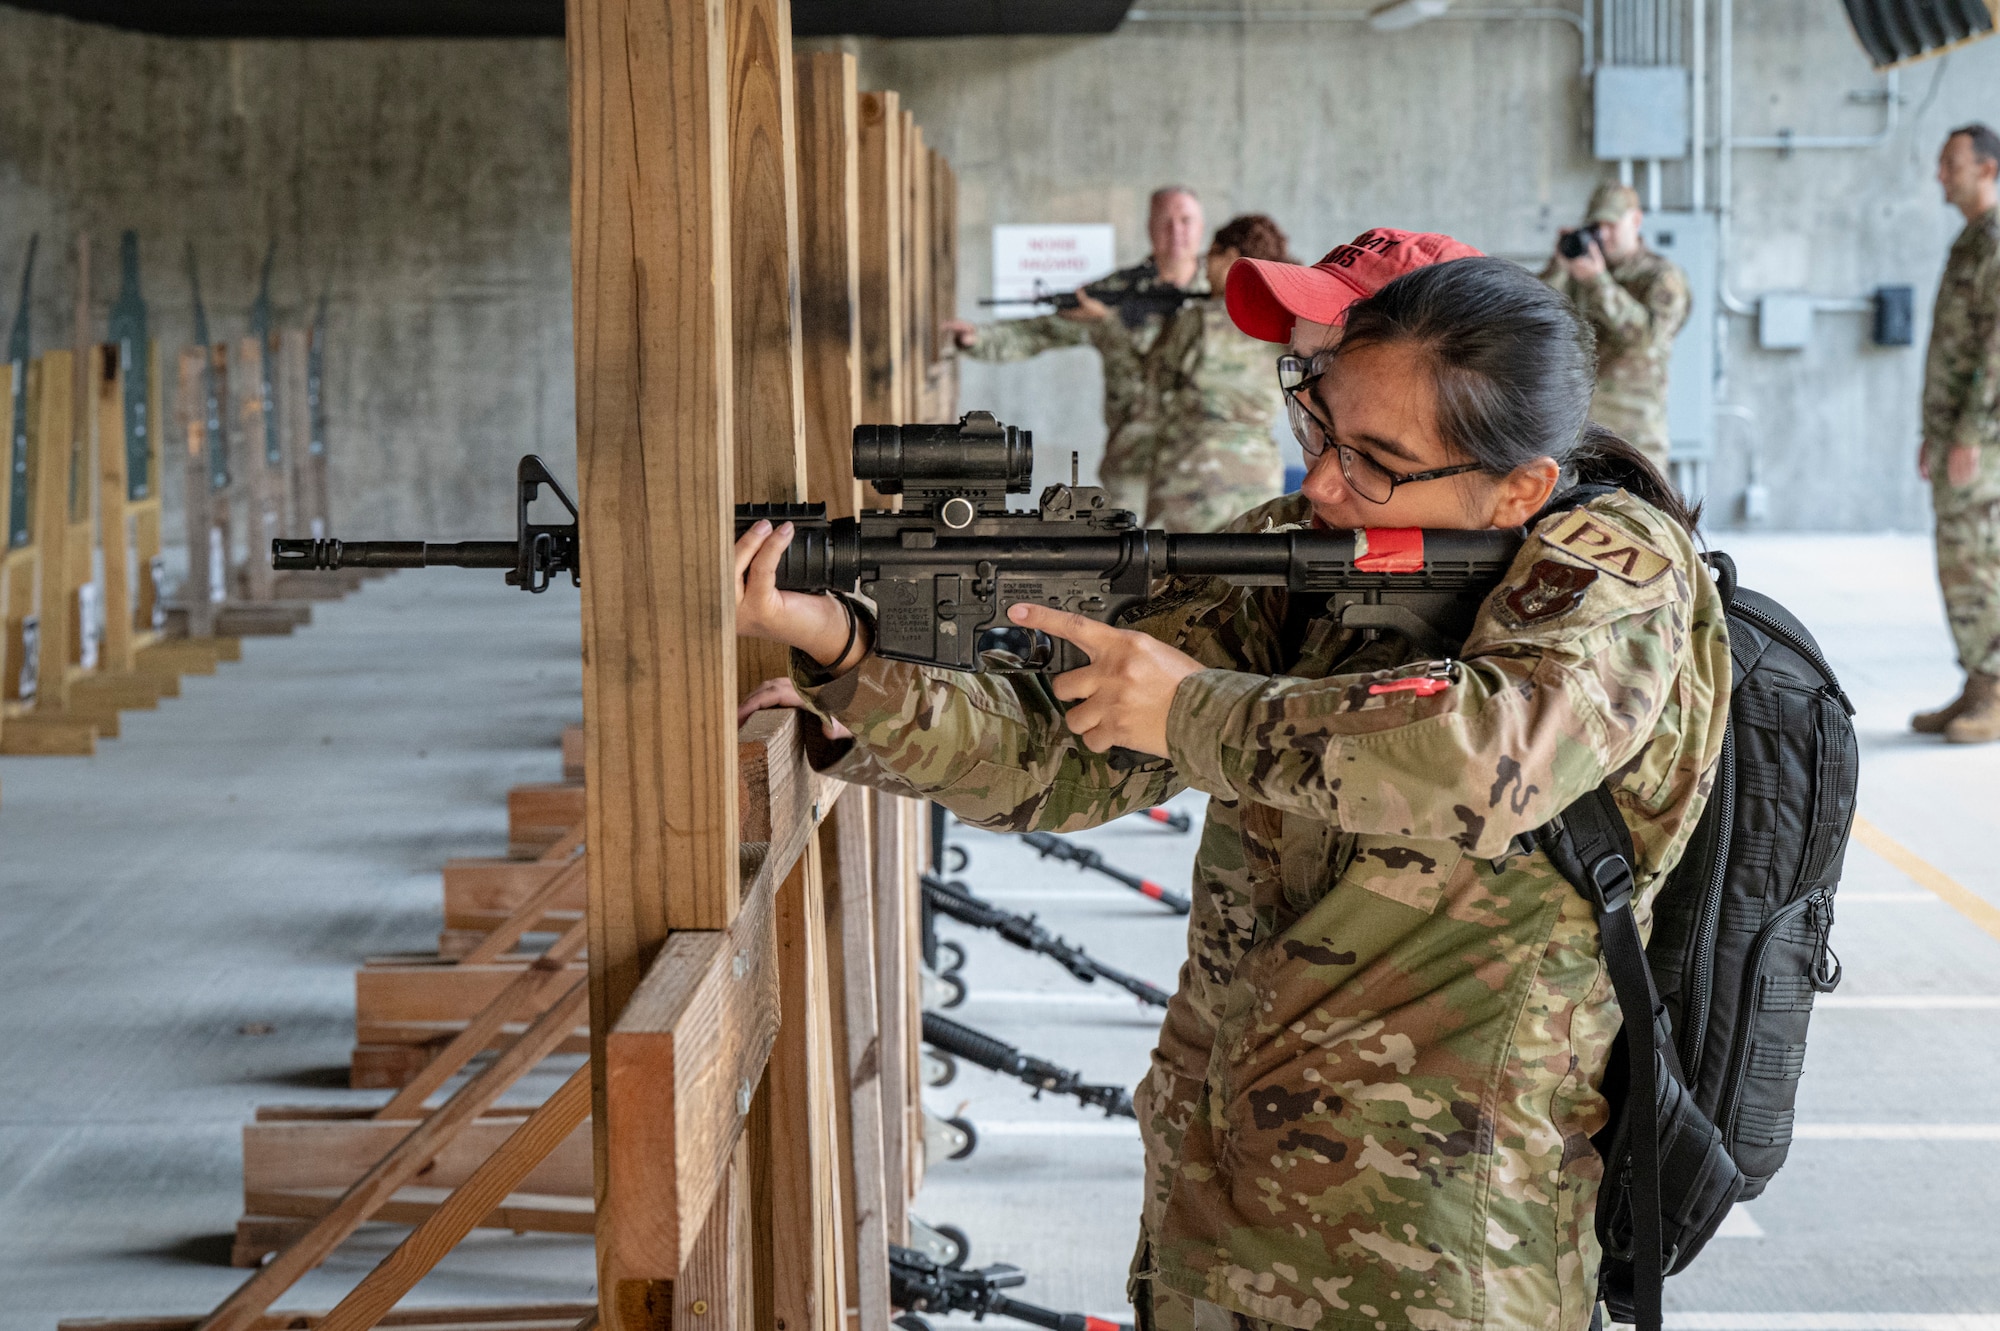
1515, 369
1604, 458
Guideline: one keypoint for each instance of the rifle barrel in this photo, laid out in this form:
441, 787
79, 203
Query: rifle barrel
325, 554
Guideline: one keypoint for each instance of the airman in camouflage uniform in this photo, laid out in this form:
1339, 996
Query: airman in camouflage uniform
1962, 418
1214, 456
1371, 1101
1636, 302
1133, 409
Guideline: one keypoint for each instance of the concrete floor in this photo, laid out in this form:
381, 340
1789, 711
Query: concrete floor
233, 857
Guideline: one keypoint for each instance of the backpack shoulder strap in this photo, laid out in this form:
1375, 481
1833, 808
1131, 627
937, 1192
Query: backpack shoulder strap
1591, 846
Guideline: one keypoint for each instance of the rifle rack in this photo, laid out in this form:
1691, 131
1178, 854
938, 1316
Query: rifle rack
751, 1084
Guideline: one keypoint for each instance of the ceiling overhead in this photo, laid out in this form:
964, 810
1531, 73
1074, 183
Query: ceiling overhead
544, 18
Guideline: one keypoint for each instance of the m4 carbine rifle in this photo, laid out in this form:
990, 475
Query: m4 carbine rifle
1050, 846
944, 570
1133, 303
919, 1285
953, 898
538, 552
941, 1032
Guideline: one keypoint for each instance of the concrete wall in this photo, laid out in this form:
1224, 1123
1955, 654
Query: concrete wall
423, 185
1477, 129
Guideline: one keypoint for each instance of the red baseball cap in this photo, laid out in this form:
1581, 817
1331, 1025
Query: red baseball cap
1266, 298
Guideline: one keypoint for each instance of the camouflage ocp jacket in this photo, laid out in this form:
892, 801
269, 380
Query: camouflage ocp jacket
1372, 1095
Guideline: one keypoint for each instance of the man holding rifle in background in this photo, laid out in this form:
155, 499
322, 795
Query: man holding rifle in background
1122, 320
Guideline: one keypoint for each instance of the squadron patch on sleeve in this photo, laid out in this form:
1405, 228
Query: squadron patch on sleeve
1552, 589
1604, 546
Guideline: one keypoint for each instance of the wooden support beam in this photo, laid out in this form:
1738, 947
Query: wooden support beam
542, 813
651, 277
533, 986
769, 418
685, 1059
918, 341
898, 1018
846, 850
798, 1210
107, 386
829, 160
561, 885
265, 514
196, 496
55, 424
882, 308
488, 1187
241, 1310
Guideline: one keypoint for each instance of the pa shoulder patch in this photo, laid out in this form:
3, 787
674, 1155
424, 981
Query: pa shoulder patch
1605, 547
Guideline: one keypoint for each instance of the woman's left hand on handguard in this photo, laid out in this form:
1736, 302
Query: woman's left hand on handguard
1124, 695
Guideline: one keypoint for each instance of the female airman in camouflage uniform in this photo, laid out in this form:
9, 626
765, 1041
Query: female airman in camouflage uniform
1372, 1099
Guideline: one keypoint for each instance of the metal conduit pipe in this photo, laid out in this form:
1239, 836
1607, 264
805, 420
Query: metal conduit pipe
1536, 13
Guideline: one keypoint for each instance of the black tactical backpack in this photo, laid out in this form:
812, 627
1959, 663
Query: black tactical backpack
1739, 949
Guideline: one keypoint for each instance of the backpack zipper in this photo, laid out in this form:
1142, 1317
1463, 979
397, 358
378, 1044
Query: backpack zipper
1725, 1116
1708, 918
1796, 643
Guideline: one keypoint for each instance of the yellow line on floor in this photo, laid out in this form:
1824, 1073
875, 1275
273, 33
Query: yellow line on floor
1925, 874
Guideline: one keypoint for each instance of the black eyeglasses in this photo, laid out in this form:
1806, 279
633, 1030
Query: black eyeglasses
1364, 475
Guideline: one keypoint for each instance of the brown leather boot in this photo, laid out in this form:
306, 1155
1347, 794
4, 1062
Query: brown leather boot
1979, 723
1933, 723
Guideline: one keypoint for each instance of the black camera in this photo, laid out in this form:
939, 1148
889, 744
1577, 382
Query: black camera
1575, 244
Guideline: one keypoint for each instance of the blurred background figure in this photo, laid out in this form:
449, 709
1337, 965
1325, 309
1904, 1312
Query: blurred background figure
1214, 454
1636, 302
1122, 334
1960, 454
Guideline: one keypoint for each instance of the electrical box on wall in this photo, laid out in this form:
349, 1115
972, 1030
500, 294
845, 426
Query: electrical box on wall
1895, 322
1640, 112
1689, 240
1784, 321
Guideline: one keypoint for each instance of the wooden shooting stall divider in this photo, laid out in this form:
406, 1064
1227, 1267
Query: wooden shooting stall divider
748, 928
80, 590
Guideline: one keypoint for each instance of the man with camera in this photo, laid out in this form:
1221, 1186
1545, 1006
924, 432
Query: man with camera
1635, 301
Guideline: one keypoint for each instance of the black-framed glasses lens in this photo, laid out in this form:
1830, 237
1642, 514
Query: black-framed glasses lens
1293, 372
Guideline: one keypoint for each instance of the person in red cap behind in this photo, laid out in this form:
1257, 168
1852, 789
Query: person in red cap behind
1373, 1095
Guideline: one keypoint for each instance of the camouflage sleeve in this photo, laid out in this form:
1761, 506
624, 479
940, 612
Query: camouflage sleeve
1622, 319
1977, 423
994, 748
1019, 339
991, 748
1569, 667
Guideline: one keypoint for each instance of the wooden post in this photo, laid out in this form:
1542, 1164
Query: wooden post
896, 985
830, 263
882, 391
197, 496
307, 504
266, 489
917, 338
846, 850
769, 420
109, 386
55, 424
651, 277
944, 280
